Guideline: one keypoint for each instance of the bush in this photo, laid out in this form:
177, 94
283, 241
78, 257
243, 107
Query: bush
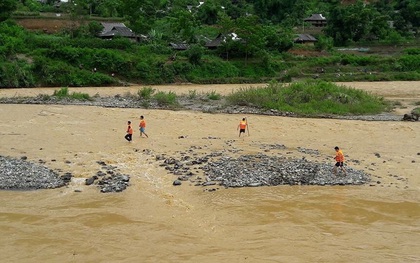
166, 99
16, 74
146, 93
310, 98
213, 95
64, 93
195, 54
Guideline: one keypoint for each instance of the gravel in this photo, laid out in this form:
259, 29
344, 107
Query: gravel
263, 170
19, 174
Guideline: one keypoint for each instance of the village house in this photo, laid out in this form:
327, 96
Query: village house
317, 20
111, 30
305, 39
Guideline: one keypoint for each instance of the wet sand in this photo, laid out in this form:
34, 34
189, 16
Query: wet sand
154, 221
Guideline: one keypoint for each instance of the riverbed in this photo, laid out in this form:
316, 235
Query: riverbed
154, 221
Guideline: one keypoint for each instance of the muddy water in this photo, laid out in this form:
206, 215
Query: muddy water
154, 221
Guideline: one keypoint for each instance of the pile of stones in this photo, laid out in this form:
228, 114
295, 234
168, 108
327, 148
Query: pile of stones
263, 170
19, 174
109, 181
258, 170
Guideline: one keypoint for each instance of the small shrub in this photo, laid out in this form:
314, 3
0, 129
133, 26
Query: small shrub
192, 94
146, 93
166, 99
417, 103
80, 96
64, 93
213, 95
61, 93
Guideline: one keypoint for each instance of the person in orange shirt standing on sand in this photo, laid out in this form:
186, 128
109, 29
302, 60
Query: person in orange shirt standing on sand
129, 135
142, 126
243, 125
339, 158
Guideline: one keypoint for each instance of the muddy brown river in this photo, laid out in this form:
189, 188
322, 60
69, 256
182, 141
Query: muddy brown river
154, 221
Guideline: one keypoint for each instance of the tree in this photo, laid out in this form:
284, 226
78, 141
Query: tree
184, 25
6, 8
207, 13
143, 14
355, 22
250, 31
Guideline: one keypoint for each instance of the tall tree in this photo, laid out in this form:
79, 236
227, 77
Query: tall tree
354, 22
6, 8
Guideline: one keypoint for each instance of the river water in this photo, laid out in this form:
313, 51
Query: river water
270, 224
153, 221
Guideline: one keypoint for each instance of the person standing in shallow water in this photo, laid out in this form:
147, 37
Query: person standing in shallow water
243, 125
339, 158
129, 135
142, 126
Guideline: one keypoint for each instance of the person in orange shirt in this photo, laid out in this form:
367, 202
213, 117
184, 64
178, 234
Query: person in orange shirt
142, 126
129, 135
339, 158
243, 125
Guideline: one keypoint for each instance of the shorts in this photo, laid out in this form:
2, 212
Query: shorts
242, 131
142, 129
339, 164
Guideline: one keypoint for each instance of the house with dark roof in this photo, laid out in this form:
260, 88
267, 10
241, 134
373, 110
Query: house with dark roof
221, 39
317, 20
305, 39
112, 30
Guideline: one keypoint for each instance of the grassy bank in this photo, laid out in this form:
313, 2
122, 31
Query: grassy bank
30, 59
310, 98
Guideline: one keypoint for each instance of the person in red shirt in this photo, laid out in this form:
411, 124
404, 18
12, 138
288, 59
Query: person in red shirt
142, 126
129, 135
339, 158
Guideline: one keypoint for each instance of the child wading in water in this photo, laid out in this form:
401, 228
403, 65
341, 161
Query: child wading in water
142, 126
339, 157
129, 135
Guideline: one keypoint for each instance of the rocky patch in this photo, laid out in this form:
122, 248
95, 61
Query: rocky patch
19, 174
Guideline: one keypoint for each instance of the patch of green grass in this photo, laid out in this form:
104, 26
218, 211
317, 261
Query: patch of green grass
146, 93
80, 96
417, 103
213, 95
310, 98
64, 93
166, 99
416, 111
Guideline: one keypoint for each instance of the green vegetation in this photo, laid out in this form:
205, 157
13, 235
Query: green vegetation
310, 98
146, 93
213, 95
166, 99
64, 93
261, 49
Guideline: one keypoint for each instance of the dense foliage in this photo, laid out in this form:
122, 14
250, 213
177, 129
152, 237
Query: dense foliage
311, 98
265, 32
